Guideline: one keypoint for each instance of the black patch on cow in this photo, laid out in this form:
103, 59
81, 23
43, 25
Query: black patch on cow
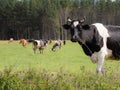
35, 43
45, 42
113, 42
92, 40
86, 27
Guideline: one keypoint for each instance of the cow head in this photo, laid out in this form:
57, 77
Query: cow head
75, 27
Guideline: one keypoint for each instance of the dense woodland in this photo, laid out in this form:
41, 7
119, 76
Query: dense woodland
43, 19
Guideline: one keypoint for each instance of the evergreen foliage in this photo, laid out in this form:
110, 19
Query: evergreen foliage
42, 19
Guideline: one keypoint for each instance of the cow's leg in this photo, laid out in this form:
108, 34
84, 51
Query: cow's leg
100, 62
34, 49
60, 47
102, 71
40, 49
23, 44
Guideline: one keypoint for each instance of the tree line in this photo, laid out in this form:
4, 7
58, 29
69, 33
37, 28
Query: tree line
43, 19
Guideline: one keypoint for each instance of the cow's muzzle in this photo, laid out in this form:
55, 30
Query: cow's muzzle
73, 40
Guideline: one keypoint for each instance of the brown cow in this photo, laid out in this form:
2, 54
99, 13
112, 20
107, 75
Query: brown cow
23, 42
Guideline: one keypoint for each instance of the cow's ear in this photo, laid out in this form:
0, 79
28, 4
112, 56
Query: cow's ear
83, 20
69, 19
86, 27
66, 26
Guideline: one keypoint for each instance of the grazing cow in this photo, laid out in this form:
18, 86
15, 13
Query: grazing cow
57, 43
10, 40
23, 42
96, 40
40, 44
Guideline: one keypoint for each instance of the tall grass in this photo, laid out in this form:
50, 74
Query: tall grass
42, 79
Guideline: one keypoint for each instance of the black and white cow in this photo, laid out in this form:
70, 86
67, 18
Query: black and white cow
40, 44
58, 43
95, 40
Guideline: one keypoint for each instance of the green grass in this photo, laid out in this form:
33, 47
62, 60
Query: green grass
66, 69
70, 57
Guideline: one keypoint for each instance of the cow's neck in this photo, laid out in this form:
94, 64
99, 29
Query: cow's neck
87, 50
90, 48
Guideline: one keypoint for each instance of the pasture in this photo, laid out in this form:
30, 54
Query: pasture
65, 69
70, 57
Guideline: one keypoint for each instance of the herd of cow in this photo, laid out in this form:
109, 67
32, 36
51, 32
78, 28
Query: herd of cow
40, 44
97, 41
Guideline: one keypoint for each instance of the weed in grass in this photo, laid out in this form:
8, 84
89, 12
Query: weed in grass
62, 80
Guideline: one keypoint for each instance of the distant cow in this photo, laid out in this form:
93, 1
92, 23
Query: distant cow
10, 40
95, 39
40, 44
57, 43
23, 42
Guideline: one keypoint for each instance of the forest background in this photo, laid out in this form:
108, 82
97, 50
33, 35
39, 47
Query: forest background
43, 19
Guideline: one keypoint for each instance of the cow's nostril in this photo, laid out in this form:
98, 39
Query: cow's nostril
75, 37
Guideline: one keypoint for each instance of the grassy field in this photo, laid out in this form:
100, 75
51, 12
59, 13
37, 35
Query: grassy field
65, 69
70, 58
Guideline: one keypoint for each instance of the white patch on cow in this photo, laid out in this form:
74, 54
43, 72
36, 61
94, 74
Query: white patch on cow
58, 42
100, 62
99, 56
101, 29
103, 33
75, 33
75, 23
38, 43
